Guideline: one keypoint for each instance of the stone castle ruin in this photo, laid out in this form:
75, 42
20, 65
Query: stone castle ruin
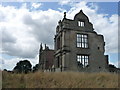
77, 47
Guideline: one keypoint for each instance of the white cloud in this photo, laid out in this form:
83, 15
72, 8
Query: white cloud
64, 2
36, 5
9, 64
16, 32
1, 62
93, 6
23, 29
24, 5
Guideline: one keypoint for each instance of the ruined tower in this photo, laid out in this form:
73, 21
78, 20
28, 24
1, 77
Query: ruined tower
46, 57
78, 47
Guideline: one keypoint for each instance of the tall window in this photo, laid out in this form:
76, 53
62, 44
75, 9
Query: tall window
58, 61
82, 40
58, 43
82, 60
81, 23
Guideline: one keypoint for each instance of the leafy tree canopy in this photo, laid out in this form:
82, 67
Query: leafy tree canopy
35, 68
112, 66
23, 67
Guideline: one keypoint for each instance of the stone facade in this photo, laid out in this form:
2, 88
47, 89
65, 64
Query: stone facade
46, 57
78, 47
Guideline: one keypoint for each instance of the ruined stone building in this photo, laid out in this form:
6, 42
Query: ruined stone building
46, 57
77, 47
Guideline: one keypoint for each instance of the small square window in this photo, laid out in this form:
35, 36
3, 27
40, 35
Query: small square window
81, 23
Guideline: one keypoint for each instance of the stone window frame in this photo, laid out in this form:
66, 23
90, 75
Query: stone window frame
83, 59
81, 23
82, 41
58, 41
58, 62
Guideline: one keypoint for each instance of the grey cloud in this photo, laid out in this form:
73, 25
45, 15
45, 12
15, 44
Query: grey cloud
13, 50
43, 28
27, 19
7, 37
11, 46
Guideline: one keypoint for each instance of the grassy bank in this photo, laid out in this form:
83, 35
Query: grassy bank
60, 80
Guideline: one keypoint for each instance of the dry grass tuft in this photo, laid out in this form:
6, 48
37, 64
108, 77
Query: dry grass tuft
60, 80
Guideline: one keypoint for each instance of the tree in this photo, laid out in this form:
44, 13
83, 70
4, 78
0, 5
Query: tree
5, 70
112, 68
23, 67
35, 68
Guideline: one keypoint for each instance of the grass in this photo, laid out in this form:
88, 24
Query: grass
60, 80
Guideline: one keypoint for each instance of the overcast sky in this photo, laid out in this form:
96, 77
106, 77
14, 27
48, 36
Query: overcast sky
23, 26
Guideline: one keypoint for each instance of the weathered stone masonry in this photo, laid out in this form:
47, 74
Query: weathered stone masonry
77, 47
46, 57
